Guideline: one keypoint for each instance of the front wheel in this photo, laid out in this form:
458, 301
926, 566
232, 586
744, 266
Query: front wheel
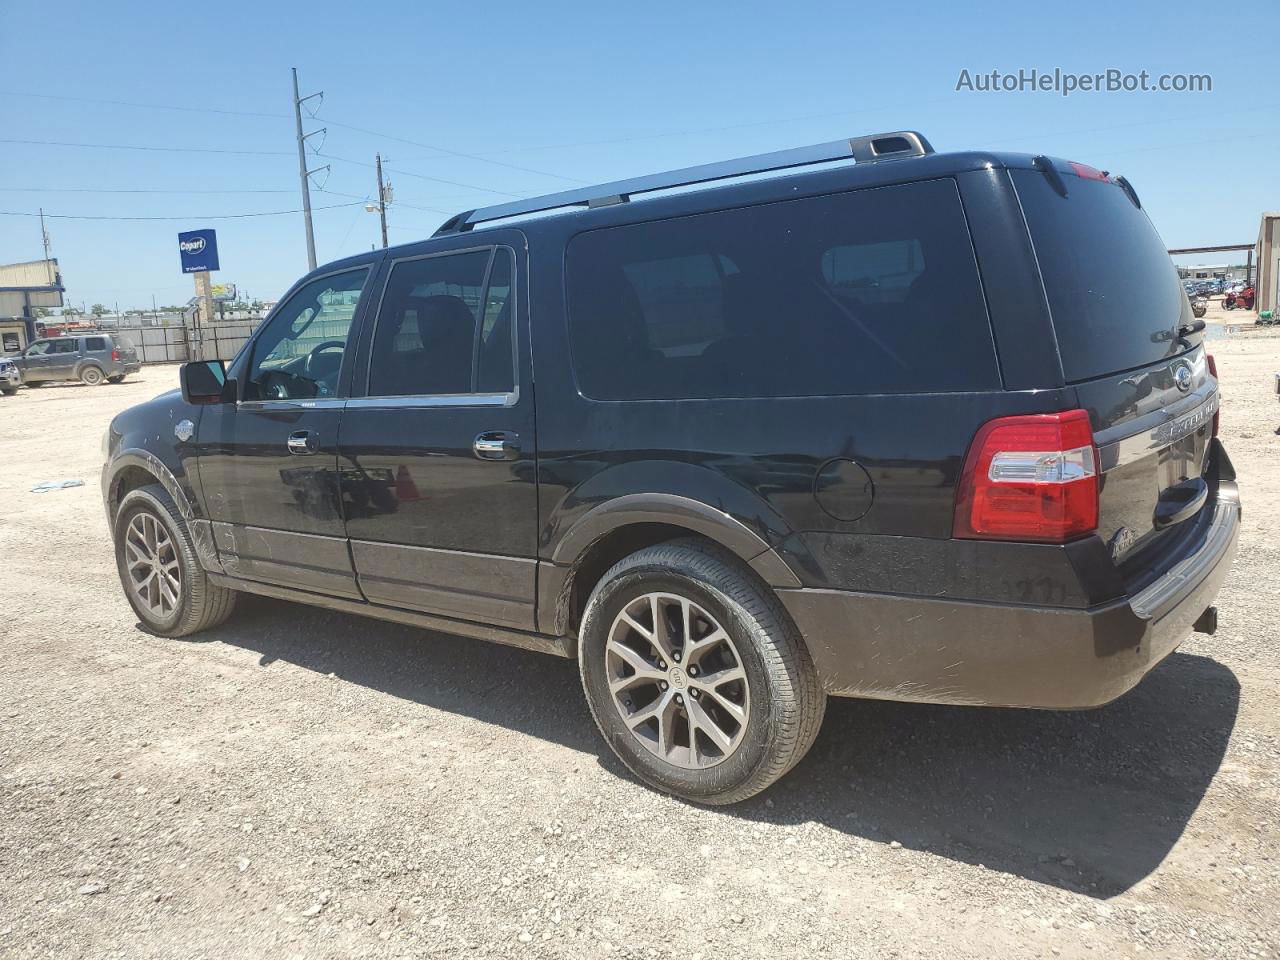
9, 391
695, 675
162, 578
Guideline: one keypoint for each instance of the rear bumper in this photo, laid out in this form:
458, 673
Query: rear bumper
947, 651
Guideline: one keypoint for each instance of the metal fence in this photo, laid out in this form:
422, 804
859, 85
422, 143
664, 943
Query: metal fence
157, 344
173, 344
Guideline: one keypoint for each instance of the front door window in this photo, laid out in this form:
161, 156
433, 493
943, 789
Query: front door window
299, 353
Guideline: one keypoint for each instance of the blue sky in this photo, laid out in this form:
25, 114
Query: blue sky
577, 93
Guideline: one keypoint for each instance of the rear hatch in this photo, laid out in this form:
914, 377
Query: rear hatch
128, 353
1133, 350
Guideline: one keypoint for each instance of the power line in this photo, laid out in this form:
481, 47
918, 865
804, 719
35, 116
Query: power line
126, 146
107, 190
145, 106
396, 203
420, 176
445, 151
216, 216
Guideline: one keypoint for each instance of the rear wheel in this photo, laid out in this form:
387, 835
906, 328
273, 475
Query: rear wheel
92, 376
162, 578
119, 378
695, 675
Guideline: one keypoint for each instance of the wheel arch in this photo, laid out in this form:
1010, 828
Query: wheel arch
135, 468
618, 527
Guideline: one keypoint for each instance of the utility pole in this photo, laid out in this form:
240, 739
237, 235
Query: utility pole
44, 234
382, 202
303, 173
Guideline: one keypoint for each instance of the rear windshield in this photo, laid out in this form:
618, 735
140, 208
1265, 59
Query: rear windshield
1113, 291
874, 291
124, 343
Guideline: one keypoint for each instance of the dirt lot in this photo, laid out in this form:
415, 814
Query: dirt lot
300, 783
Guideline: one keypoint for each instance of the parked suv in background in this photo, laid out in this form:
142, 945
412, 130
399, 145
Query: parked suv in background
93, 358
912, 426
10, 377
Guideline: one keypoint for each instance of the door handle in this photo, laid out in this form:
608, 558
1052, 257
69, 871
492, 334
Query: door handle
497, 445
302, 443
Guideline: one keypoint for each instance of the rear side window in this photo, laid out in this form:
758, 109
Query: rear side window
1113, 292
874, 291
95, 343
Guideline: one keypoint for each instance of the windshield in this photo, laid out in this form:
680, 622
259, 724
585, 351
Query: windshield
1113, 291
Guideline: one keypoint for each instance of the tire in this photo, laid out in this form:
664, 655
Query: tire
92, 376
783, 698
9, 391
200, 604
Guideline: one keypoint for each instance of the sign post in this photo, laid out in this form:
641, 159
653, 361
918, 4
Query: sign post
199, 252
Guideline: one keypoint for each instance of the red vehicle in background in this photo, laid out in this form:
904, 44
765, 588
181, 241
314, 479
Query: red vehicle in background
1243, 299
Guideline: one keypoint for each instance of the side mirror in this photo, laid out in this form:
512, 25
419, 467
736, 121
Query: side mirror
204, 382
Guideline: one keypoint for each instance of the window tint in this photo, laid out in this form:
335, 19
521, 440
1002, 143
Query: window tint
299, 352
95, 343
66, 346
874, 291
1113, 291
39, 348
879, 272
440, 331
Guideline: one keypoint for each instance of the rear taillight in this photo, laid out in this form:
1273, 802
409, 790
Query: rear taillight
1213, 372
115, 355
1030, 478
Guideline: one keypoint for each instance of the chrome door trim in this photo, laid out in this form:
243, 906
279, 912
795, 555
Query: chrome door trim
320, 403
424, 401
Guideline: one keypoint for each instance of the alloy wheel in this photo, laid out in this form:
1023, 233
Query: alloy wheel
677, 680
154, 573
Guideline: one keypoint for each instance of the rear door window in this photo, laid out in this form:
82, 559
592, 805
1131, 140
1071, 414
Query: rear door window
95, 343
1113, 292
445, 326
874, 291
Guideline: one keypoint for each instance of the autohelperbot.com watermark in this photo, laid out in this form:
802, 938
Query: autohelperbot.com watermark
1065, 82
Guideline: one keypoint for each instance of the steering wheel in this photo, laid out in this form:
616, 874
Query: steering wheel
320, 348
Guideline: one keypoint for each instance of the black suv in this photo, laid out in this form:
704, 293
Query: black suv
905, 425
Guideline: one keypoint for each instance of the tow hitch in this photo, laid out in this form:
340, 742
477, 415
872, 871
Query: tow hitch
1208, 622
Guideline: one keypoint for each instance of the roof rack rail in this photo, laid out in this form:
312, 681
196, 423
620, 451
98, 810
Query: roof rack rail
880, 146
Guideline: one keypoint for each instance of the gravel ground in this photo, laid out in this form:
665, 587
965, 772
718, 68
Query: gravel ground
302, 783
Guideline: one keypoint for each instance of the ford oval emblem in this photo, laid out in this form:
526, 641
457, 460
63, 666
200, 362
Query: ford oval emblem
1182, 377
